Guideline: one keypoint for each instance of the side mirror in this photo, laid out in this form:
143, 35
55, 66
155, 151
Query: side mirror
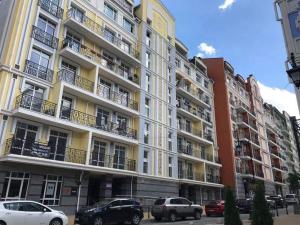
44, 210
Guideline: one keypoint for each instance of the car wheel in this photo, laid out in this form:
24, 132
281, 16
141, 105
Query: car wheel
98, 221
135, 219
56, 222
172, 217
2, 223
197, 215
157, 219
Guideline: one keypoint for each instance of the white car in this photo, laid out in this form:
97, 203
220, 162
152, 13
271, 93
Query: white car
291, 199
30, 213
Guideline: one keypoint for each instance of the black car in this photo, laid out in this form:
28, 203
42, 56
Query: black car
244, 205
111, 212
278, 200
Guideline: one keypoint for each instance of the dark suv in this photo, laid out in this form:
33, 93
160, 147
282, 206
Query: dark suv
111, 212
173, 208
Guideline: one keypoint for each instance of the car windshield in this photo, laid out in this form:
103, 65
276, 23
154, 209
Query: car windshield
103, 202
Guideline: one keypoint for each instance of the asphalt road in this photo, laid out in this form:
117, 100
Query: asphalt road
208, 220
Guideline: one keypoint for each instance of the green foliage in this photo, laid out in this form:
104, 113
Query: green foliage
294, 181
232, 216
261, 214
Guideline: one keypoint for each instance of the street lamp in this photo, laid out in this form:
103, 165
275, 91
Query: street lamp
294, 73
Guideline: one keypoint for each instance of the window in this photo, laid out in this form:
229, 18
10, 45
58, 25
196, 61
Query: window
198, 78
170, 141
177, 63
33, 97
15, 186
109, 35
147, 83
78, 14
169, 74
187, 69
51, 190
125, 46
148, 60
119, 157
169, 95
73, 42
40, 58
145, 162
58, 144
147, 107
102, 118
169, 54
46, 26
170, 116
128, 25
146, 133
98, 153
110, 11
148, 38
170, 167
206, 84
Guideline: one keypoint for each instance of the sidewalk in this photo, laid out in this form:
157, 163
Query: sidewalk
283, 220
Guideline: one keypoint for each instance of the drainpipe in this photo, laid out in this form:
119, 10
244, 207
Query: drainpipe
79, 190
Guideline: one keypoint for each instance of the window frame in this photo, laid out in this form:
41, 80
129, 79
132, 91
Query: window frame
57, 181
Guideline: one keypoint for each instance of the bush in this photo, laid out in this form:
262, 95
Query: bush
261, 214
232, 215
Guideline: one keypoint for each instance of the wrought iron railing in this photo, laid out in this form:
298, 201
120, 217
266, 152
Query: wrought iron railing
31, 148
52, 8
193, 110
71, 78
194, 92
116, 97
97, 28
124, 5
35, 104
212, 179
43, 37
190, 175
85, 119
181, 125
38, 71
208, 137
101, 59
112, 161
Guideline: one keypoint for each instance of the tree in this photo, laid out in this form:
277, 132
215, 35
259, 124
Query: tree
261, 214
294, 181
232, 216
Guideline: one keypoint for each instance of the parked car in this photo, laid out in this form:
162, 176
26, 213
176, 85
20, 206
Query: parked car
244, 205
270, 202
174, 208
291, 199
278, 201
215, 208
111, 211
29, 212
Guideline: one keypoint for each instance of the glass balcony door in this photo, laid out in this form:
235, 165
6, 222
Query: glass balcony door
102, 119
73, 42
119, 157
66, 107
33, 97
69, 74
24, 139
98, 154
105, 89
39, 64
58, 145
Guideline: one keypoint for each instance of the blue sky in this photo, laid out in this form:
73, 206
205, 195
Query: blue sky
246, 34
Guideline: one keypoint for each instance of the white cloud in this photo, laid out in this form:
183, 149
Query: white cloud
206, 49
226, 4
282, 99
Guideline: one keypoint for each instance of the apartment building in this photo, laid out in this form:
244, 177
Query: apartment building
91, 91
198, 161
241, 135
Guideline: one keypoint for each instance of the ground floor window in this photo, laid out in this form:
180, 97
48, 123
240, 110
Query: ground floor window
51, 190
15, 186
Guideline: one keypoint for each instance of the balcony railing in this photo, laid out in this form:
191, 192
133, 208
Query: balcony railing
38, 71
51, 8
35, 104
44, 37
71, 78
259, 174
100, 59
194, 111
257, 156
84, 119
35, 149
119, 98
208, 137
189, 128
195, 93
190, 175
98, 29
212, 179
112, 161
124, 5
278, 179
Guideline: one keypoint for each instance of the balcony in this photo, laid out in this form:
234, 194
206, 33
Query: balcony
278, 179
116, 97
190, 175
36, 70
35, 104
192, 94
257, 156
103, 38
259, 174
186, 127
192, 113
44, 37
208, 137
35, 149
112, 161
213, 179
70, 77
84, 119
88, 58
240, 106
123, 3
51, 8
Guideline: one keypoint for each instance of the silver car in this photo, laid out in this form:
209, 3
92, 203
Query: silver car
174, 208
